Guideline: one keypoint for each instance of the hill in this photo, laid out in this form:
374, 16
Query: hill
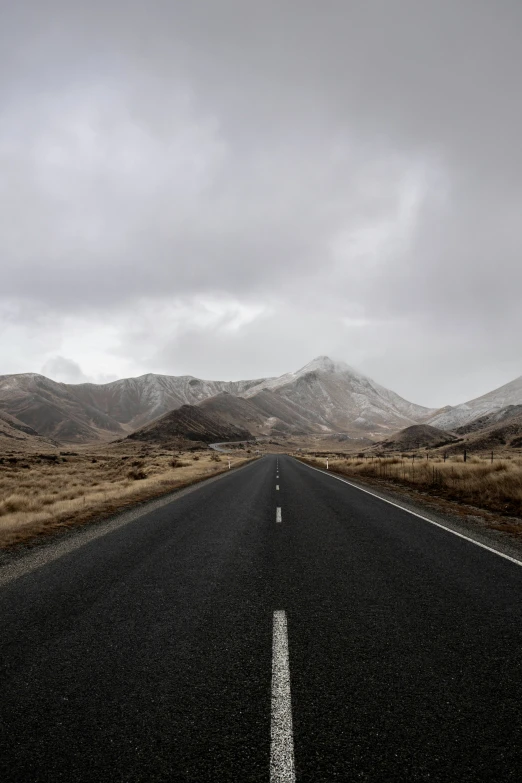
17, 436
497, 431
265, 413
418, 436
53, 411
189, 423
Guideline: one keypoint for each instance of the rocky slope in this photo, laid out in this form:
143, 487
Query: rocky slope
497, 431
496, 400
333, 397
17, 436
136, 401
324, 396
53, 411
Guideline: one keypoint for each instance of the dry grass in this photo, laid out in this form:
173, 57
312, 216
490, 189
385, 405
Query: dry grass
39, 494
494, 486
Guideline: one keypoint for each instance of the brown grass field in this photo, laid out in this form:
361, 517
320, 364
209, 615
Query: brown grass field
46, 492
494, 486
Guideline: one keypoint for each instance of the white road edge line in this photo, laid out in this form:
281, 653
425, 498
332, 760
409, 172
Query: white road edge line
282, 765
278, 514
414, 514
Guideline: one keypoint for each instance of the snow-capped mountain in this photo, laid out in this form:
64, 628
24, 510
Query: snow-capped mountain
336, 398
134, 402
323, 396
451, 418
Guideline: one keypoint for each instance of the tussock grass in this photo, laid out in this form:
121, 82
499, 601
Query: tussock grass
53, 494
495, 486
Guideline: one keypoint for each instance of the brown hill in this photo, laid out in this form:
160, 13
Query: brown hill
498, 431
418, 436
17, 436
263, 414
189, 423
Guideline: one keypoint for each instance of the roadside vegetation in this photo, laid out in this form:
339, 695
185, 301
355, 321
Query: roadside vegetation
40, 493
494, 485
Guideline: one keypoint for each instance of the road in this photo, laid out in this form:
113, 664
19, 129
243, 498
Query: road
208, 641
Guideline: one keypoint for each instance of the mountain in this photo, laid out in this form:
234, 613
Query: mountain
333, 397
452, 418
189, 423
87, 412
53, 411
136, 401
323, 396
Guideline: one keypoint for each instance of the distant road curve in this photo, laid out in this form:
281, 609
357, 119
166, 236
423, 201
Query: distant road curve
220, 446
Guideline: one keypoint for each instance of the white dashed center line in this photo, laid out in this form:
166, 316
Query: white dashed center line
277, 486
278, 515
282, 767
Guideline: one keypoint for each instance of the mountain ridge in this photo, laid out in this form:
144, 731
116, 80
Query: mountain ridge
323, 396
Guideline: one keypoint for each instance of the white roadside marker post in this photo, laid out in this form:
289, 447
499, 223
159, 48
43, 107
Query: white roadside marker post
327, 464
229, 463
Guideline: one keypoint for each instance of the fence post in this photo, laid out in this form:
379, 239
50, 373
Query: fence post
465, 456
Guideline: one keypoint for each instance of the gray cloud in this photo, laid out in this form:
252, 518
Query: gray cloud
65, 370
229, 188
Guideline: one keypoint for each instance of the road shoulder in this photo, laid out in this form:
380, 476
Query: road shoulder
483, 526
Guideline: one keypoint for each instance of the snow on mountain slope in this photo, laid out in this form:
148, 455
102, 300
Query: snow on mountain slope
509, 394
323, 396
137, 401
335, 397
319, 364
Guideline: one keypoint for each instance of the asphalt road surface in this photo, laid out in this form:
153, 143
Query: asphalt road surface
246, 632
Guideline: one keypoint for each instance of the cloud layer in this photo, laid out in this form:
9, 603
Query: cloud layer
228, 189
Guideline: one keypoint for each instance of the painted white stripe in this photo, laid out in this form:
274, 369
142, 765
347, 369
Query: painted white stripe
282, 766
277, 486
414, 514
278, 515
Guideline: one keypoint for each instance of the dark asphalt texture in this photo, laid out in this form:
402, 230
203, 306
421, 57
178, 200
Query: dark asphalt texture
145, 655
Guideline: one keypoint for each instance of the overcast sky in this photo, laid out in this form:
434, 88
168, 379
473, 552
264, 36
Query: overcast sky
228, 188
